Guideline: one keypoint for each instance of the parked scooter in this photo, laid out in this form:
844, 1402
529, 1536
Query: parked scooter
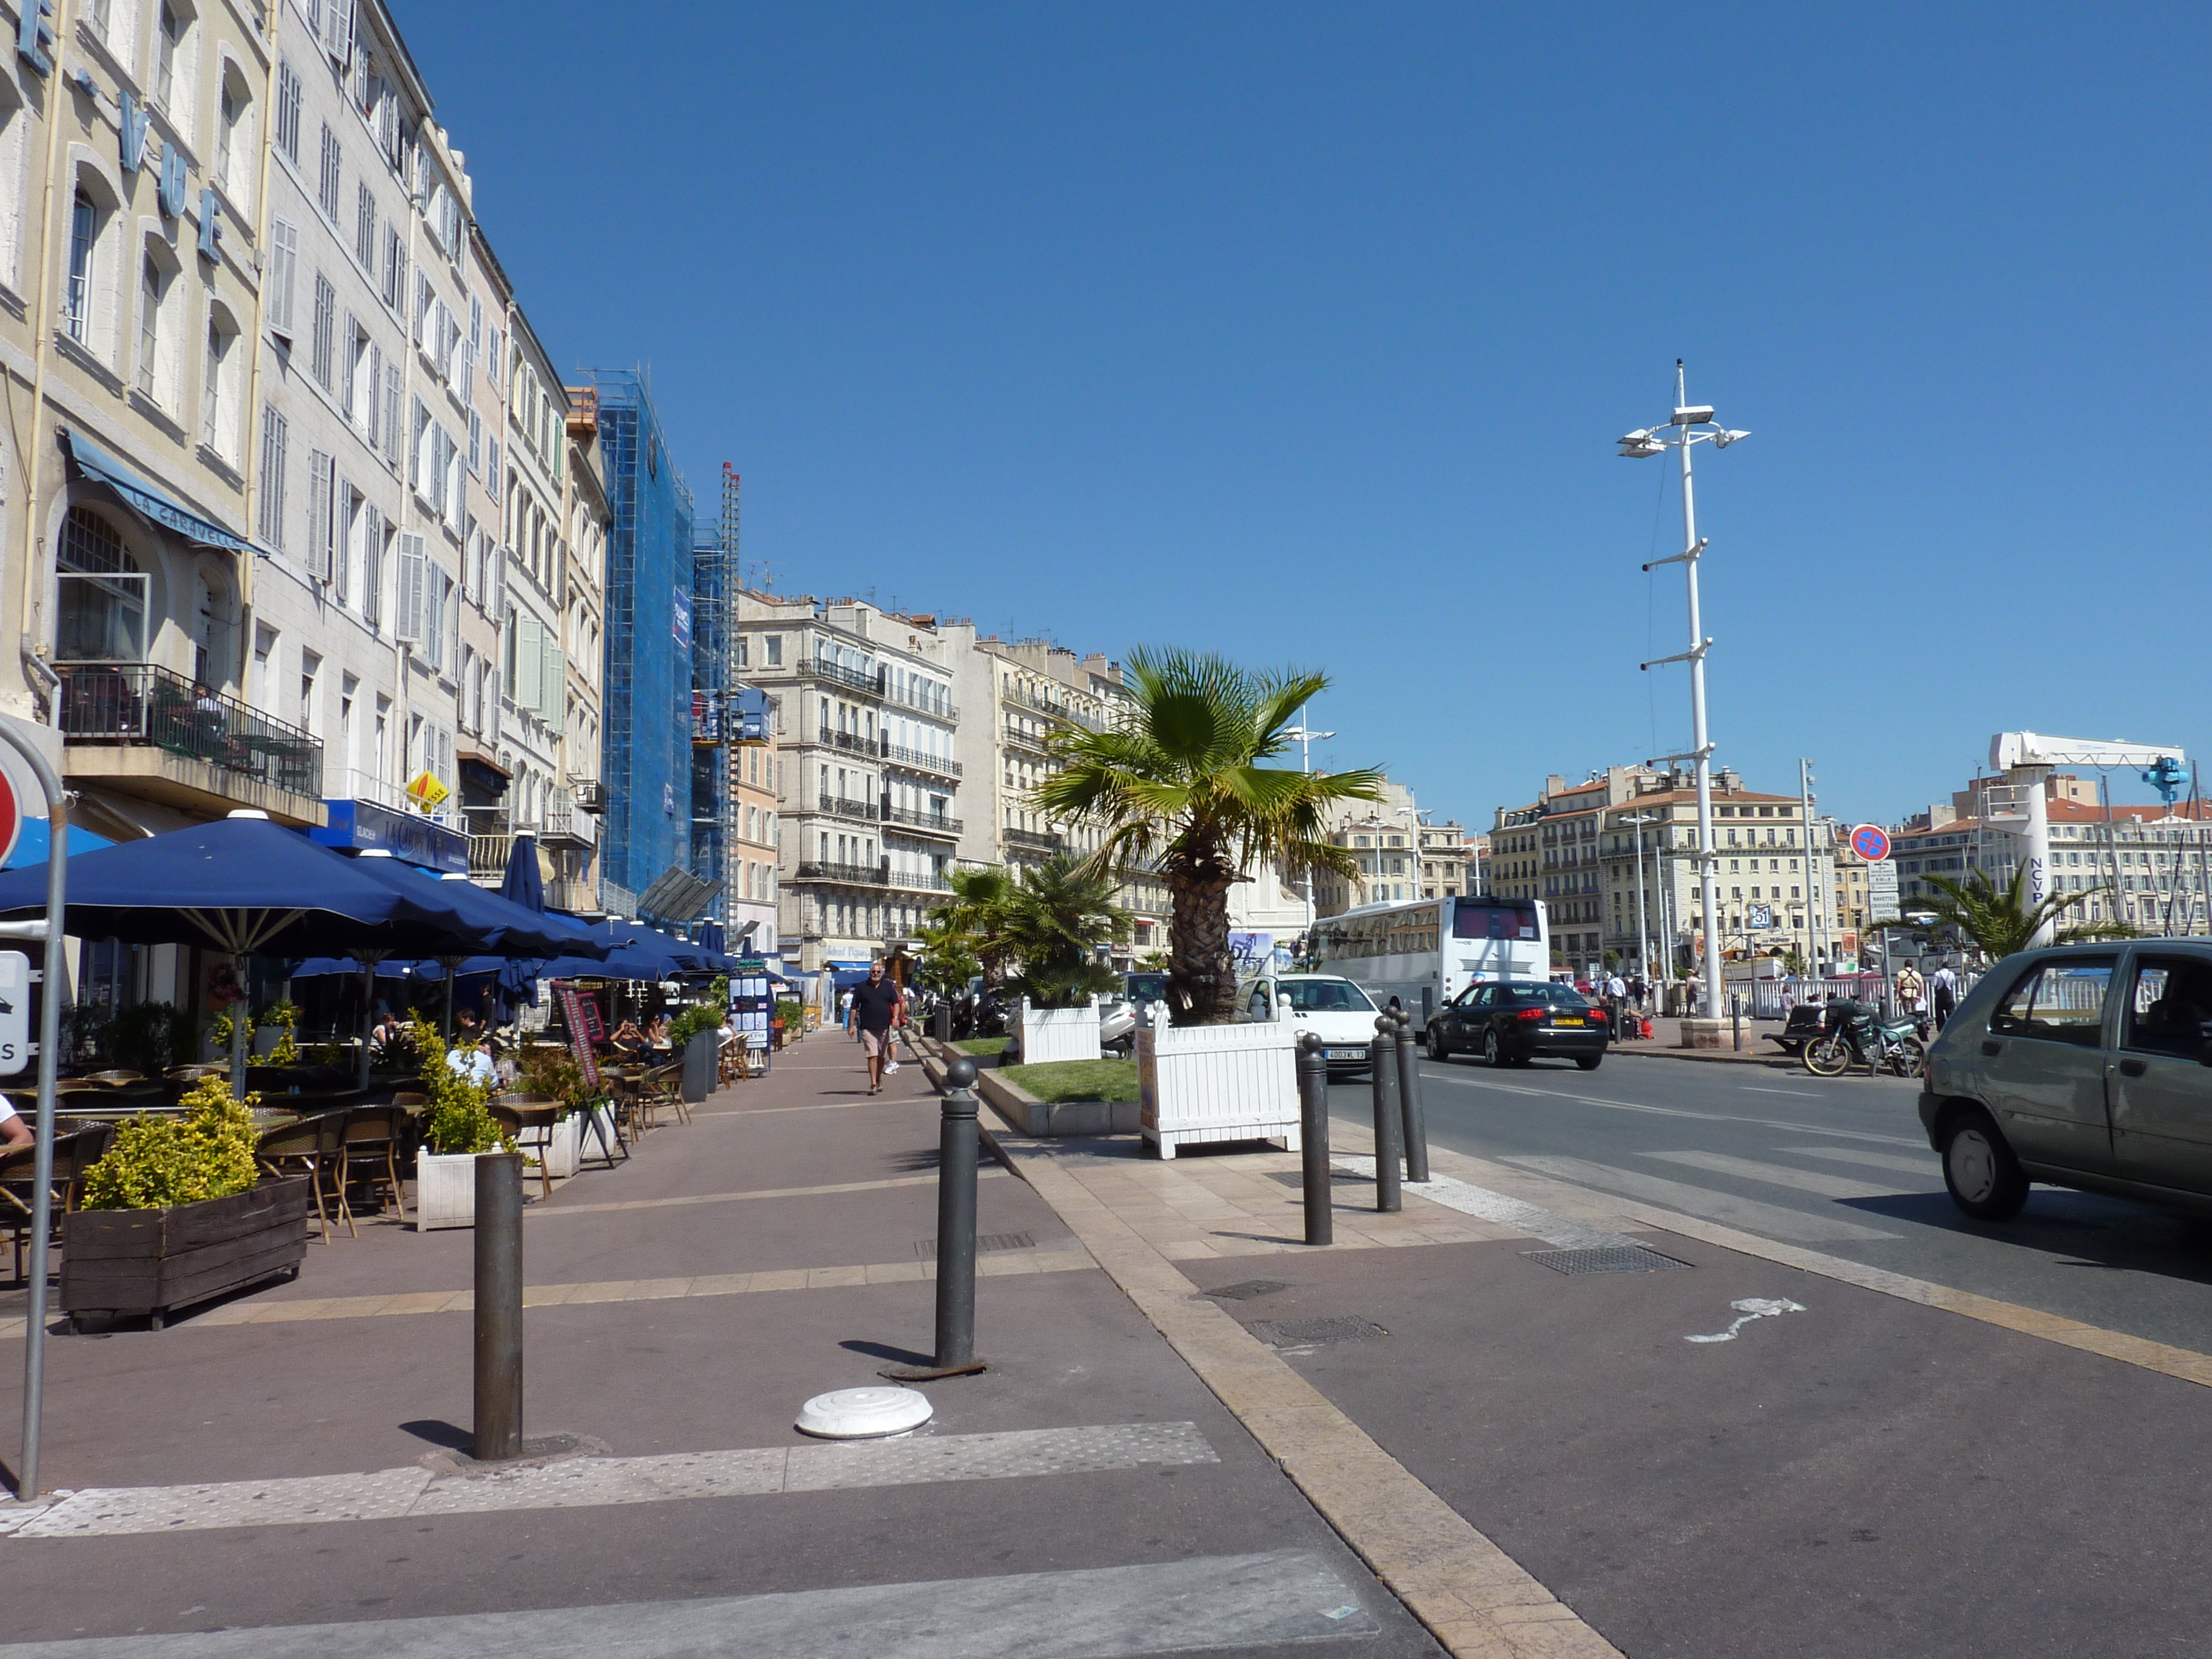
1852, 1034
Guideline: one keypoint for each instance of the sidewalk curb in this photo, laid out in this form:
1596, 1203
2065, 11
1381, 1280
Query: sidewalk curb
1475, 1599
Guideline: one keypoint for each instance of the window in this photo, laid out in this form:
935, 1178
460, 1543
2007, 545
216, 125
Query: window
153, 284
491, 466
269, 524
393, 436
326, 190
395, 268
283, 271
476, 447
76, 293
2062, 1001
168, 46
215, 396
102, 610
375, 534
364, 228
326, 330
287, 111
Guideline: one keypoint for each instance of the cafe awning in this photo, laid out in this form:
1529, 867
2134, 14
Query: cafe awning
149, 500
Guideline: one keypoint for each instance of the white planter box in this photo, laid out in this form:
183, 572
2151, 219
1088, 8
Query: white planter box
444, 1190
1209, 1082
562, 1155
1050, 1034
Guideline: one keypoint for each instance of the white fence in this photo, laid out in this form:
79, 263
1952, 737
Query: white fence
1210, 1083
1773, 999
1049, 1034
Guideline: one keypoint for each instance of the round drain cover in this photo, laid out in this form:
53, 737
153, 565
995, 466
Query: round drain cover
857, 1413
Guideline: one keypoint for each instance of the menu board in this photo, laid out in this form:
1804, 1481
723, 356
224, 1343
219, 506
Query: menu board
581, 1014
752, 1004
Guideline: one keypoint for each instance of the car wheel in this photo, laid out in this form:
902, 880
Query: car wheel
1985, 1178
1439, 1050
1491, 1053
1589, 1062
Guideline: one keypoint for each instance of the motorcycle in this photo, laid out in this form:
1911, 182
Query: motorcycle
1860, 1038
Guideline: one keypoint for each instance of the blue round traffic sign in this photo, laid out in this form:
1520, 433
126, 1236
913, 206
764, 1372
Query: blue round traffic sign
1871, 842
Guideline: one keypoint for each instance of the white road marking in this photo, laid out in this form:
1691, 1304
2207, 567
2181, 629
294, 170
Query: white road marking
1562, 1232
1749, 1309
1780, 1174
1677, 1111
393, 1494
1243, 1601
1927, 1165
1802, 1094
1770, 1220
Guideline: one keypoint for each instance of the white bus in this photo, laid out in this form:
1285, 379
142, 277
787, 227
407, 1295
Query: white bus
1425, 954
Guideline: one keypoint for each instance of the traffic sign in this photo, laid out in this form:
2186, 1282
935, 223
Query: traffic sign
11, 816
15, 1011
1871, 842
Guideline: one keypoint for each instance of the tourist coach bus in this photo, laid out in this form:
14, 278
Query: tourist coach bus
1424, 955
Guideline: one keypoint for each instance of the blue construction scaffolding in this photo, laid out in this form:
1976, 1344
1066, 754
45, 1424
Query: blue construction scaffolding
713, 676
647, 715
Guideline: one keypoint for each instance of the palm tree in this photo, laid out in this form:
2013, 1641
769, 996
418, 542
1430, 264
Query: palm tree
1181, 786
1999, 921
978, 912
1057, 917
948, 955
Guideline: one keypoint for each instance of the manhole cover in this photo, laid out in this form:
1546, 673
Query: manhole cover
1606, 1259
983, 1242
1247, 1289
1310, 1333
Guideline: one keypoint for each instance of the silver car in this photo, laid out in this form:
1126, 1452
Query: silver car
2085, 1065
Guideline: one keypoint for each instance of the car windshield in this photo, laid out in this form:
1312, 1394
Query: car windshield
1146, 988
1326, 996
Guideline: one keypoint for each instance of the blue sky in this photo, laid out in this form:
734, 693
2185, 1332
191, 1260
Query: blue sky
1302, 333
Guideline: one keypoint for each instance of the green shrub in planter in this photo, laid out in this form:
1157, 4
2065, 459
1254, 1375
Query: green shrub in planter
156, 1161
692, 1021
459, 1118
149, 1037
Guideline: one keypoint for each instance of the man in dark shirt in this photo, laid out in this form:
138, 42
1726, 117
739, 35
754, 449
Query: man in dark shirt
877, 1006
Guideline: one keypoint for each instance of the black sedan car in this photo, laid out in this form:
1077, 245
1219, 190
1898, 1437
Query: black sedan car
1512, 1022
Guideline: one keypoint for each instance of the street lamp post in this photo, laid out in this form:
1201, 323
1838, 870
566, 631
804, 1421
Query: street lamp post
1691, 424
1643, 928
1306, 734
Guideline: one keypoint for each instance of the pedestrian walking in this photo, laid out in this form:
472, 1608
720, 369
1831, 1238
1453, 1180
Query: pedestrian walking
876, 1008
1943, 994
1911, 991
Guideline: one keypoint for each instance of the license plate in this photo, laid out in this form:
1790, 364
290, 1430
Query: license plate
1567, 1020
1347, 1054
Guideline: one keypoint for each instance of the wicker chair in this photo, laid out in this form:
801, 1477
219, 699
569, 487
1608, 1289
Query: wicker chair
664, 1087
314, 1147
368, 1149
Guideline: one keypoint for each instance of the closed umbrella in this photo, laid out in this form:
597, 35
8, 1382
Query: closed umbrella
524, 885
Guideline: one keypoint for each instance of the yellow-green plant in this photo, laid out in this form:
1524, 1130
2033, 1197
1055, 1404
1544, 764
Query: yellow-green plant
157, 1161
459, 1118
221, 1028
285, 1016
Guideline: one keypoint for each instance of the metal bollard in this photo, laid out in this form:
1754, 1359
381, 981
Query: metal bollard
942, 1019
498, 1306
1410, 1110
1313, 1137
956, 1232
1383, 1064
1736, 1019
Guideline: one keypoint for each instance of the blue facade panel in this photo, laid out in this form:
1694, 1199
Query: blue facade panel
648, 700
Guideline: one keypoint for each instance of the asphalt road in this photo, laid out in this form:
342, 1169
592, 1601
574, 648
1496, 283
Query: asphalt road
1837, 1166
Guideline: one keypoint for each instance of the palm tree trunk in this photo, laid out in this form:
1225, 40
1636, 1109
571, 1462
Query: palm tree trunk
1201, 978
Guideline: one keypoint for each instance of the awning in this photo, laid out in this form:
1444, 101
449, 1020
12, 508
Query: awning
37, 837
150, 501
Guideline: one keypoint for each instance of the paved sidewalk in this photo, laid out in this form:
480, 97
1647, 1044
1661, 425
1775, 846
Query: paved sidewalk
286, 1466
1743, 1448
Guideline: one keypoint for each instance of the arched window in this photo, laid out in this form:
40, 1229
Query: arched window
219, 397
84, 245
102, 610
233, 140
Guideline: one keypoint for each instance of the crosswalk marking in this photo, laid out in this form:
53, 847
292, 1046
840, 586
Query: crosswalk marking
1243, 1601
1930, 1167
1779, 1174
1746, 1213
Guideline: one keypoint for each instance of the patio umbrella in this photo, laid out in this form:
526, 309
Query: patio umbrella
712, 938
241, 884
524, 885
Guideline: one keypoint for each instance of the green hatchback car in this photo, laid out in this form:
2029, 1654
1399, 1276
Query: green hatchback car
2086, 1066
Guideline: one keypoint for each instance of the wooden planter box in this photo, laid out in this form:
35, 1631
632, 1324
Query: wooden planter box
1051, 1034
150, 1262
444, 1190
1211, 1083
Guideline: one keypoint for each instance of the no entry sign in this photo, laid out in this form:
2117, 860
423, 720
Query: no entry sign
11, 816
1871, 842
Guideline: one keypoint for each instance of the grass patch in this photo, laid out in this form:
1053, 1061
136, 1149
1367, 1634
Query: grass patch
981, 1045
1061, 1080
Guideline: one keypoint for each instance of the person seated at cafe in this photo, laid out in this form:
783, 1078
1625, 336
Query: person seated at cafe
469, 1059
629, 1039
386, 1036
656, 1031
14, 1132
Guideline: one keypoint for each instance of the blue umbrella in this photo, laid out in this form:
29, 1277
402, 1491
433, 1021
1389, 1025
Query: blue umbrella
712, 938
524, 886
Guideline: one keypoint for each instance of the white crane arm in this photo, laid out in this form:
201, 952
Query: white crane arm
2011, 748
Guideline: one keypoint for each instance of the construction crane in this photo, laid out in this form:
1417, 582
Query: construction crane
2019, 804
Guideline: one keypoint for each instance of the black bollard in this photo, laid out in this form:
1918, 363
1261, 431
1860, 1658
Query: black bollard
1382, 1062
1409, 1109
942, 1019
499, 1306
956, 1232
1313, 1137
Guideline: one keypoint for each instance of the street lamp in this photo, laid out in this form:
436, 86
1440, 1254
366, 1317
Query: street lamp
1306, 735
1691, 424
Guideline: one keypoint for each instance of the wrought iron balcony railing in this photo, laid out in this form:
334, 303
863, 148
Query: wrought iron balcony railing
134, 703
914, 760
853, 875
935, 823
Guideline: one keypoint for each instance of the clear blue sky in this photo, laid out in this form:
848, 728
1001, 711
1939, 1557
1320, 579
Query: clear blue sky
1302, 334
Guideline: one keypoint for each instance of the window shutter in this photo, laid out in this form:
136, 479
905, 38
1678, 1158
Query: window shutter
529, 663
394, 435
372, 566
407, 622
337, 31
342, 495
498, 603
491, 468
284, 269
433, 621
551, 687
423, 301
349, 364
318, 510
273, 434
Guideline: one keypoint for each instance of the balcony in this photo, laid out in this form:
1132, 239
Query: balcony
1058, 710
563, 822
569, 894
853, 875
871, 682
1033, 841
851, 742
935, 823
913, 761
947, 710
924, 882
141, 728
1016, 737
838, 807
